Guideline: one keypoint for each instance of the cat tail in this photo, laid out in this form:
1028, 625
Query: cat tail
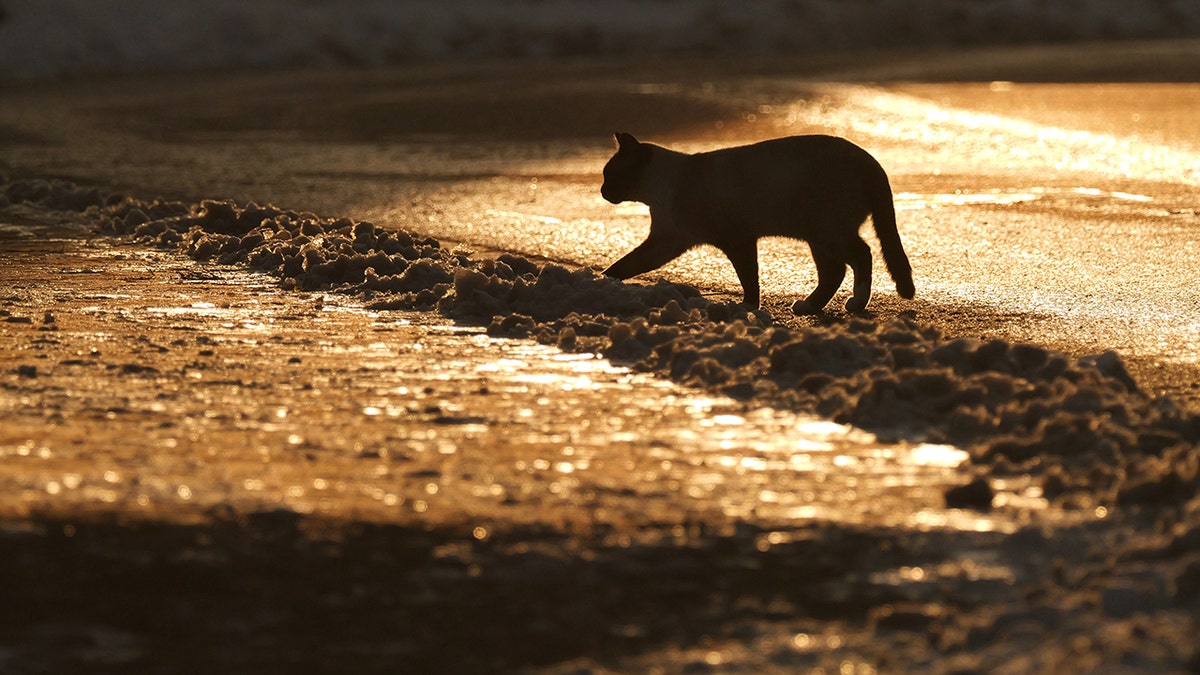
883, 215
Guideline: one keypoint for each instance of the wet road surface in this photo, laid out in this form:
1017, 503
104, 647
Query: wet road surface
1064, 214
454, 503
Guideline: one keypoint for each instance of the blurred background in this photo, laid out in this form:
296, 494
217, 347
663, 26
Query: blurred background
40, 38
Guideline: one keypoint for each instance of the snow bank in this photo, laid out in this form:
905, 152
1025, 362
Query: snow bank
41, 38
1083, 425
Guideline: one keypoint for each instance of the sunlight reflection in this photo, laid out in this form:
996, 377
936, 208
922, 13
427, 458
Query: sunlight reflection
938, 455
994, 139
913, 201
781, 466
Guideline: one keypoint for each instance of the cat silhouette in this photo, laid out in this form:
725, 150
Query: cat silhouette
819, 189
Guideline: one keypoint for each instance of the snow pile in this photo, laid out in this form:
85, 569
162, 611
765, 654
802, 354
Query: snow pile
55, 37
1082, 425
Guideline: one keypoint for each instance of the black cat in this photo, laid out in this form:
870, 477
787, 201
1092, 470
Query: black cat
816, 188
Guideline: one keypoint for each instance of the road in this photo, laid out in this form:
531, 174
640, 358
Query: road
201, 467
1064, 214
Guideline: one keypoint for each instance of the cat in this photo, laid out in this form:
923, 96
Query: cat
816, 188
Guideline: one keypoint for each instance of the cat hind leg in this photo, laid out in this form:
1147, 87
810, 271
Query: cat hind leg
745, 262
859, 258
831, 270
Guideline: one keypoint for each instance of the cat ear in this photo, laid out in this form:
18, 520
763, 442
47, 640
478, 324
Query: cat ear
625, 140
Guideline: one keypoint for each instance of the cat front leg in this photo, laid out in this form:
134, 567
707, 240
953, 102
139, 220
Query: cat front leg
656, 251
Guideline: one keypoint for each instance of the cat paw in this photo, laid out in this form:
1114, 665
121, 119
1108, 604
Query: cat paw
803, 308
856, 304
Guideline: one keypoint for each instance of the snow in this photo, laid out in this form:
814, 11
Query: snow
44, 38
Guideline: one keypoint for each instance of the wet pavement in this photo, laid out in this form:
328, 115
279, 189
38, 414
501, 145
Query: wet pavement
200, 467
1063, 214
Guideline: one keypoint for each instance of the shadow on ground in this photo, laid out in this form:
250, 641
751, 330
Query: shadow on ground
275, 589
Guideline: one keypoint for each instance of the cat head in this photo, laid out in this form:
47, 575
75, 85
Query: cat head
624, 172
